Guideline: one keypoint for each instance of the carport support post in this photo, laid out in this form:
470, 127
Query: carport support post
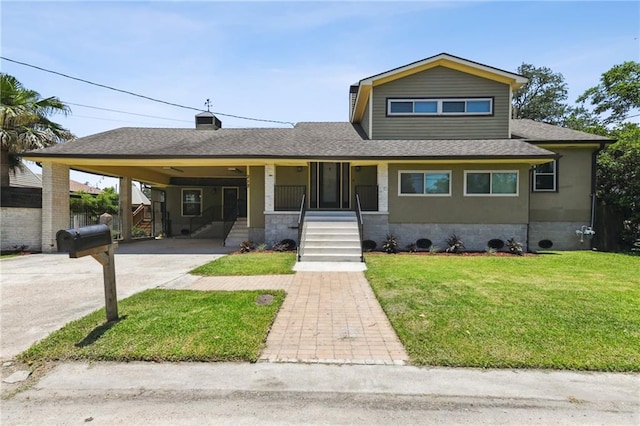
107, 260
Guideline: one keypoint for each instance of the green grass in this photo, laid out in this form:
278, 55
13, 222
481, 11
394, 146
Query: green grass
249, 264
167, 325
566, 310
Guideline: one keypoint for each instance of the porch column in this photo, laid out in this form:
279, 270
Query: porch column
55, 203
383, 187
125, 208
269, 187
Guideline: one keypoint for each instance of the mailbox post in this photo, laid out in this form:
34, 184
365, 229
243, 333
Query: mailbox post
94, 241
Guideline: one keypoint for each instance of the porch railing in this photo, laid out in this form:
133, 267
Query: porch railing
360, 224
368, 195
303, 212
287, 197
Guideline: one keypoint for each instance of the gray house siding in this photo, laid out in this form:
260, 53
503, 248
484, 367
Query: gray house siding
441, 82
365, 121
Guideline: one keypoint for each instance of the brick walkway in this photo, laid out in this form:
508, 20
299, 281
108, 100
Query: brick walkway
327, 317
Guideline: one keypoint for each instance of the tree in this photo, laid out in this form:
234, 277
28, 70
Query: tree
542, 97
24, 125
95, 205
617, 94
619, 178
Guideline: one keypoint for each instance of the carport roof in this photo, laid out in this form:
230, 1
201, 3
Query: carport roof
304, 141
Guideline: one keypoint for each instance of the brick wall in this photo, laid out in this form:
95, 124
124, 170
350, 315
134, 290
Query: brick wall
20, 227
55, 203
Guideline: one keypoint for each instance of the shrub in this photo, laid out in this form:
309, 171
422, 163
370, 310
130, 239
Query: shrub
369, 245
434, 249
454, 244
515, 247
247, 246
138, 232
390, 245
413, 247
285, 245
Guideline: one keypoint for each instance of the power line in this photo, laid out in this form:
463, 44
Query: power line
142, 96
126, 112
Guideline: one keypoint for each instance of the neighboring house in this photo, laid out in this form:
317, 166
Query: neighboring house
429, 149
21, 209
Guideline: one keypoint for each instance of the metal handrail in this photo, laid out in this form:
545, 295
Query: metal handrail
206, 216
360, 224
301, 215
230, 218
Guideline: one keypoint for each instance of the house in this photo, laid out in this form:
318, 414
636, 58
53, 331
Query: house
429, 150
21, 210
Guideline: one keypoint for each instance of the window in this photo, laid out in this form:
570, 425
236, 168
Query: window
191, 202
477, 106
545, 177
499, 183
436, 182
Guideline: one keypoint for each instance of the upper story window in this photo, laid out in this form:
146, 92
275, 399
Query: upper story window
445, 106
191, 202
432, 182
545, 177
498, 183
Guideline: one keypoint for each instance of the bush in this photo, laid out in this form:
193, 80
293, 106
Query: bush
369, 245
515, 247
285, 245
390, 245
247, 246
454, 244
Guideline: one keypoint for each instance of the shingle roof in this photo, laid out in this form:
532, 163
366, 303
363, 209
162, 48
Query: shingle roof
305, 140
536, 131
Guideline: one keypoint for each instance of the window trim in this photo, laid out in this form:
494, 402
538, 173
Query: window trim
439, 112
182, 202
554, 174
491, 172
424, 172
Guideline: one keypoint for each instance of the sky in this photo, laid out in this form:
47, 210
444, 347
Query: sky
287, 61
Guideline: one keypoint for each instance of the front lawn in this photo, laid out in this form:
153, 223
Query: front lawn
168, 325
566, 310
249, 264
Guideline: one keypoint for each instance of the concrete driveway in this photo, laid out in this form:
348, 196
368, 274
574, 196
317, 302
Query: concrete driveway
42, 292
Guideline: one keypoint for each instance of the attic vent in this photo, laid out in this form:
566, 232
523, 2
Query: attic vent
207, 121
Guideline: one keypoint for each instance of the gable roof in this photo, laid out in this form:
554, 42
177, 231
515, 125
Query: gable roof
304, 141
364, 86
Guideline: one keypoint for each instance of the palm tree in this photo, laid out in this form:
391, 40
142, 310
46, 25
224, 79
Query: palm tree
24, 125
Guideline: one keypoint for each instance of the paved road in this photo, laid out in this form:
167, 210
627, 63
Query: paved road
42, 292
268, 393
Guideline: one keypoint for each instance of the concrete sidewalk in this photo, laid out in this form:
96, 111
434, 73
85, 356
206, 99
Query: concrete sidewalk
272, 393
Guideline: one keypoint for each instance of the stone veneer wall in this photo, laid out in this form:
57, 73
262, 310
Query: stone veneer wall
561, 234
279, 226
21, 227
475, 236
256, 235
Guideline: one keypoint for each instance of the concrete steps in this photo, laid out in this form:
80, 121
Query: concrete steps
330, 237
239, 233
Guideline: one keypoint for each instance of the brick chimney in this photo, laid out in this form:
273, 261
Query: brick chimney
207, 121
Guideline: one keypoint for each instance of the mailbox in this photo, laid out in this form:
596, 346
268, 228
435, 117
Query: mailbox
79, 241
